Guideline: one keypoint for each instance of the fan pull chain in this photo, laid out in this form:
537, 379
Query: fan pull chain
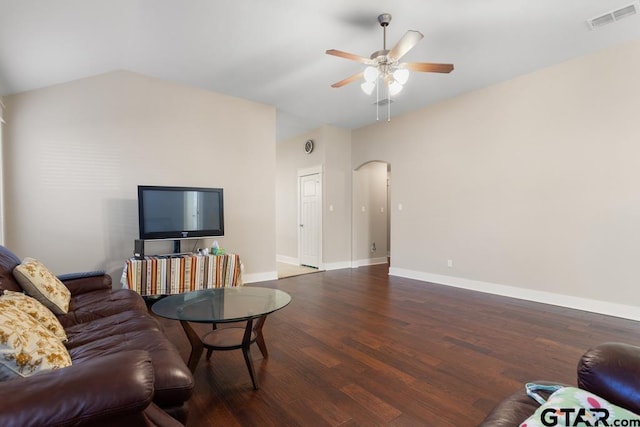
378, 99
388, 103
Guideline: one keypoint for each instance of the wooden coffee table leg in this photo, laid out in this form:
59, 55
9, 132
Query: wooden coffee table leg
196, 345
246, 352
259, 338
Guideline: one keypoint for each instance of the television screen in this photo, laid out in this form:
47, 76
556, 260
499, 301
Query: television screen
180, 212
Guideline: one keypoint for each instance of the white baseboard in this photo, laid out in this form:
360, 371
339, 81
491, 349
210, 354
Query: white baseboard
567, 301
336, 265
259, 277
325, 266
287, 259
369, 261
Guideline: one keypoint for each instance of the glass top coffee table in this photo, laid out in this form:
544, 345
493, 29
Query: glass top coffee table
224, 305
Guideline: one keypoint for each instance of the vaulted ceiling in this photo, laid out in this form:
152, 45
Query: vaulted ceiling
273, 51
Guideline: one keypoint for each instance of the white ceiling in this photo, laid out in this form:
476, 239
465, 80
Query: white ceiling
272, 51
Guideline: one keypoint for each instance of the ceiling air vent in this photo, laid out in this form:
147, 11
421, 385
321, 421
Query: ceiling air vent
383, 102
613, 16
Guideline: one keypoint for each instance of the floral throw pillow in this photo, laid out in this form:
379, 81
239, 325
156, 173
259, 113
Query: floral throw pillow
43, 285
35, 309
27, 347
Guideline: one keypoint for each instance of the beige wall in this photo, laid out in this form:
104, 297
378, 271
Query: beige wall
370, 214
336, 227
290, 157
333, 153
530, 187
76, 152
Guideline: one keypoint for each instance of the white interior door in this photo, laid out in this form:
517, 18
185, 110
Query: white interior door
310, 219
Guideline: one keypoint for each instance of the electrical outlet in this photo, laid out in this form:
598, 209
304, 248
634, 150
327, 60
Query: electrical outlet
449, 263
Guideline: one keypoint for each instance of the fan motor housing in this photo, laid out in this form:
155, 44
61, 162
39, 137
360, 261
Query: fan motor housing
381, 59
379, 54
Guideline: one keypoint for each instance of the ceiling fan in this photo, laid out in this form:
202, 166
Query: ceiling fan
384, 65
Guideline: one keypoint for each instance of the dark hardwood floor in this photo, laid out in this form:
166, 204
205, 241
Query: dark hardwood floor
358, 348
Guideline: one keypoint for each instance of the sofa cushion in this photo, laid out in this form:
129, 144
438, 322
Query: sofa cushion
115, 325
173, 381
90, 306
36, 310
27, 347
40, 283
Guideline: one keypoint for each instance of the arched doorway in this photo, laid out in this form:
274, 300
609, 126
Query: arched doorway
371, 236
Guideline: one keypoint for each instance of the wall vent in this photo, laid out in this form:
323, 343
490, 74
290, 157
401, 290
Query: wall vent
613, 16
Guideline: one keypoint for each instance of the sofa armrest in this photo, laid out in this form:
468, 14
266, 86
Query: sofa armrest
612, 371
514, 409
105, 391
80, 283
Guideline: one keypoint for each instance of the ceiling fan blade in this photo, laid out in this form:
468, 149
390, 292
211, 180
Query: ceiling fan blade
348, 80
351, 56
405, 44
428, 67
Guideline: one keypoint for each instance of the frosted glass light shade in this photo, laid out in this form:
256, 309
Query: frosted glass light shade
394, 88
367, 87
401, 75
371, 74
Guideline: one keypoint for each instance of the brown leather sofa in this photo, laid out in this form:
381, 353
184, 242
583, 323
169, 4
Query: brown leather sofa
124, 370
610, 370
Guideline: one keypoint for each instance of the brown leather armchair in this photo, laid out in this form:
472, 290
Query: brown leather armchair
610, 370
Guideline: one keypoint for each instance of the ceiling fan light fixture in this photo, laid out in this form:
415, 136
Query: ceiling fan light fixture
367, 87
371, 74
401, 75
394, 88
384, 67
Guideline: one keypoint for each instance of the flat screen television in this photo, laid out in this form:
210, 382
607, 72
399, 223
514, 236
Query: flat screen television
180, 212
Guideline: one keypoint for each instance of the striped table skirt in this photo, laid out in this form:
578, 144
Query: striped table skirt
173, 274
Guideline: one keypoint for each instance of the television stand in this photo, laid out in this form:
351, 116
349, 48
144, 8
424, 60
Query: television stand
138, 248
173, 274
